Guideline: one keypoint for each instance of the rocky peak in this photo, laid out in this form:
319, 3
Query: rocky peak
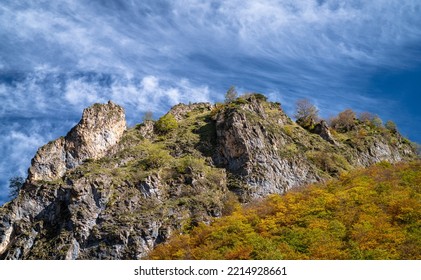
101, 127
180, 111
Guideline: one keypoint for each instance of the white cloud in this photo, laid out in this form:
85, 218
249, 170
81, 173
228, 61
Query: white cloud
150, 83
23, 143
81, 93
154, 94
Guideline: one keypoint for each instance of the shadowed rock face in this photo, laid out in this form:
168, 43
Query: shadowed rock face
107, 192
249, 150
101, 127
323, 130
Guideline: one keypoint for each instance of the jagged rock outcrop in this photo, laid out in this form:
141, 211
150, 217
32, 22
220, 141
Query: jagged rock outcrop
107, 192
146, 129
378, 149
250, 149
322, 129
101, 127
104, 216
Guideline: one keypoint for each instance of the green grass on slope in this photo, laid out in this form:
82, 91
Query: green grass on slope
373, 213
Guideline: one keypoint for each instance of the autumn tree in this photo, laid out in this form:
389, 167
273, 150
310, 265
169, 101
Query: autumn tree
366, 117
306, 113
391, 126
371, 119
377, 121
345, 121
364, 214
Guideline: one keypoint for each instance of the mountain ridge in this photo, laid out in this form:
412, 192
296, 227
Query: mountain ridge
118, 199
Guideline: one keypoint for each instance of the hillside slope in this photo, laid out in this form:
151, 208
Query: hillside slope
106, 192
373, 213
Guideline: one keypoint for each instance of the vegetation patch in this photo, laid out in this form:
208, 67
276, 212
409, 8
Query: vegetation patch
166, 124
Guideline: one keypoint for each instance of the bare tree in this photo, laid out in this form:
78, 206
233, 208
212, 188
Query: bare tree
231, 95
366, 117
418, 149
148, 116
306, 113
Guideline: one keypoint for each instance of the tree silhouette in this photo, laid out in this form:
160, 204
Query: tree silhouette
15, 184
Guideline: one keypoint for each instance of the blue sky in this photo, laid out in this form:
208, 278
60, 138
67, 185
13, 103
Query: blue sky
58, 57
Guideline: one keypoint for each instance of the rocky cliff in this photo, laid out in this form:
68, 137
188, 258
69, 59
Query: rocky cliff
107, 192
100, 128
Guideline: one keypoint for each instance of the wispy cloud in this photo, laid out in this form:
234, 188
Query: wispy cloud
40, 107
18, 144
150, 93
172, 37
57, 57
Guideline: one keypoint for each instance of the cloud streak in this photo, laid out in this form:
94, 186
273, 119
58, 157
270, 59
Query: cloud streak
57, 57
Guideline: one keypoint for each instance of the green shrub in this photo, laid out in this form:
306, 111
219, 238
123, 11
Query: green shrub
391, 126
260, 96
216, 110
166, 124
288, 129
155, 157
240, 101
328, 162
195, 164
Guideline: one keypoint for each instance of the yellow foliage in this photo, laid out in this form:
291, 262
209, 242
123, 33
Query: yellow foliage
373, 213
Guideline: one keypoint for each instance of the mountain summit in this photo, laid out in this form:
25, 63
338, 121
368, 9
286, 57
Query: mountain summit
107, 192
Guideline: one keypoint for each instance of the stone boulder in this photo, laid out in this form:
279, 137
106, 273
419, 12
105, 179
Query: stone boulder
322, 129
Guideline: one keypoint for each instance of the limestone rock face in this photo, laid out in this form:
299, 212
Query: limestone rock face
101, 127
91, 218
265, 152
